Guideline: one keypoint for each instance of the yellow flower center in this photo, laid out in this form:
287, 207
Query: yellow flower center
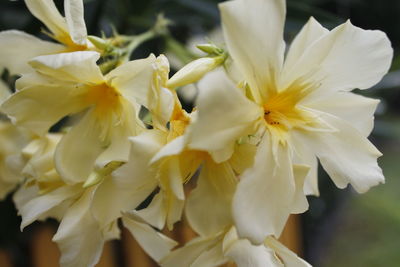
281, 110
104, 98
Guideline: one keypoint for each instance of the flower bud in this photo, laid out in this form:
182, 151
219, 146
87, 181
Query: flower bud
194, 71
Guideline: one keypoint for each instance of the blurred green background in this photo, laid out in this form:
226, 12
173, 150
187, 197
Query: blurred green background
341, 228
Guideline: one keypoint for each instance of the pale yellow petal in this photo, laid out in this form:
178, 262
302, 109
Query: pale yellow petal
346, 58
132, 183
355, 109
188, 254
5, 91
41, 106
47, 12
264, 196
78, 66
311, 32
40, 204
244, 254
303, 155
300, 203
133, 79
208, 208
154, 243
289, 258
75, 21
224, 115
18, 48
79, 237
253, 32
346, 155
78, 149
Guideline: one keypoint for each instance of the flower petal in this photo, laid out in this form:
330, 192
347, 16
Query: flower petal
77, 151
300, 203
288, 258
208, 208
253, 32
346, 58
47, 12
130, 184
355, 109
244, 254
224, 115
78, 66
263, 199
39, 205
188, 254
311, 32
14, 54
78, 237
75, 21
154, 243
133, 79
346, 155
40, 106
304, 156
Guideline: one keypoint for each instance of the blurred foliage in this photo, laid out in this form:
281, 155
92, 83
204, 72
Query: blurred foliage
355, 243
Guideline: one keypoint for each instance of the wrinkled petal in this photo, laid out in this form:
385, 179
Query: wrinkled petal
224, 115
253, 32
346, 155
75, 21
14, 52
263, 199
154, 243
208, 208
47, 12
355, 109
77, 151
78, 66
348, 57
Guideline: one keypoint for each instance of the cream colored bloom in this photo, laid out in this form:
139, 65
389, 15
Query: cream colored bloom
104, 107
17, 47
88, 216
299, 107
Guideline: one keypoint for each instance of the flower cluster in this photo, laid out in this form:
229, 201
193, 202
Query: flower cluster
264, 116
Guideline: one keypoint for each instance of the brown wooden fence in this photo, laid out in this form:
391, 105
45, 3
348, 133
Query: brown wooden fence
127, 253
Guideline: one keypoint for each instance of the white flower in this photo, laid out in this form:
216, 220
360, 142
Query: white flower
299, 107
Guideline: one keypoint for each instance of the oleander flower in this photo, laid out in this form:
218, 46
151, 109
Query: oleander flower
104, 108
299, 107
17, 47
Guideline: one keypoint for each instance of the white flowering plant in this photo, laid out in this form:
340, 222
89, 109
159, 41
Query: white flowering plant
264, 116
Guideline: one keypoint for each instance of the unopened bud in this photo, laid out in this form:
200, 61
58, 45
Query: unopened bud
194, 71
